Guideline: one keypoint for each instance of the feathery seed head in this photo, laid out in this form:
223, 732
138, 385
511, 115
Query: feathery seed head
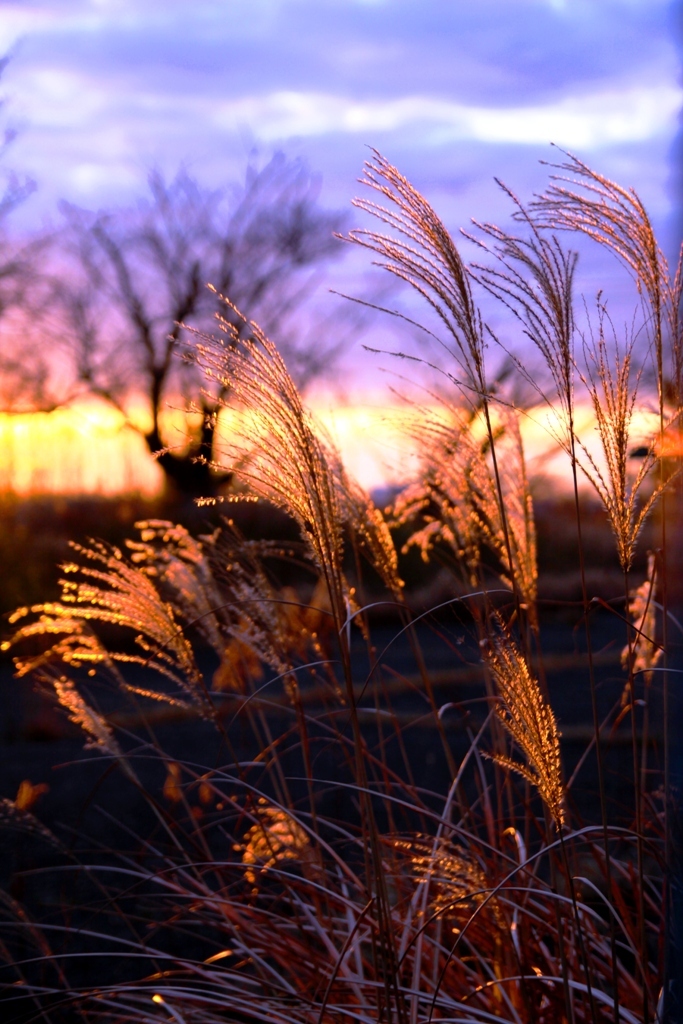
529, 719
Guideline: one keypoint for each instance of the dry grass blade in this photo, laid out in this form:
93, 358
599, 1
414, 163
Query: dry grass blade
530, 721
14, 816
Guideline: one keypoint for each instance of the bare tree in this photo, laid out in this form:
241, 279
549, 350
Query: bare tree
18, 272
130, 278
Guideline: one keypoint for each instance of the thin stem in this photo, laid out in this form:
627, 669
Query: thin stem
594, 710
638, 805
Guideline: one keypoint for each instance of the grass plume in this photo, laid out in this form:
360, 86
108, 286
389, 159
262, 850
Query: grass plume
330, 861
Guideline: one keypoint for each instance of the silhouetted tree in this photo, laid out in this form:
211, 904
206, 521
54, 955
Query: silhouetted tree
19, 375
130, 278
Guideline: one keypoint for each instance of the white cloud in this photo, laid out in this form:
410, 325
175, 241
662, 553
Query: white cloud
18, 20
585, 122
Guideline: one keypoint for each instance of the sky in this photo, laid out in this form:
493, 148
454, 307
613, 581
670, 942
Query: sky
454, 92
451, 91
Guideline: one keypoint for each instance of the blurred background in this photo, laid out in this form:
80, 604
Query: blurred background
153, 148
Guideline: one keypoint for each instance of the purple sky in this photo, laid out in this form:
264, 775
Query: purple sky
452, 91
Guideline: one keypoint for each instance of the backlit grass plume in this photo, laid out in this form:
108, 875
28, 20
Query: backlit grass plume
440, 496
612, 385
447, 874
274, 838
422, 253
219, 588
370, 530
458, 495
580, 199
529, 719
644, 653
279, 454
105, 587
341, 839
99, 733
178, 565
533, 278
283, 457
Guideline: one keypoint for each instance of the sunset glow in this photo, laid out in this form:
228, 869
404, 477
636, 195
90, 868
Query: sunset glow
78, 450
89, 449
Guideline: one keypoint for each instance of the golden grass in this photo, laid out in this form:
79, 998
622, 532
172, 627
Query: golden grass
490, 900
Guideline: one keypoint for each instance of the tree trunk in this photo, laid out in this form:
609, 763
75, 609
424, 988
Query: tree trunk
189, 475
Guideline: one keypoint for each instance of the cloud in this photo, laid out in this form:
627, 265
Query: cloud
455, 92
489, 52
585, 122
452, 92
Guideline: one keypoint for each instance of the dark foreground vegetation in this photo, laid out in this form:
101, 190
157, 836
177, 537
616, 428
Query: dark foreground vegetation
346, 765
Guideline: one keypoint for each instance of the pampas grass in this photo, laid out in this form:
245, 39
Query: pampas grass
490, 900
